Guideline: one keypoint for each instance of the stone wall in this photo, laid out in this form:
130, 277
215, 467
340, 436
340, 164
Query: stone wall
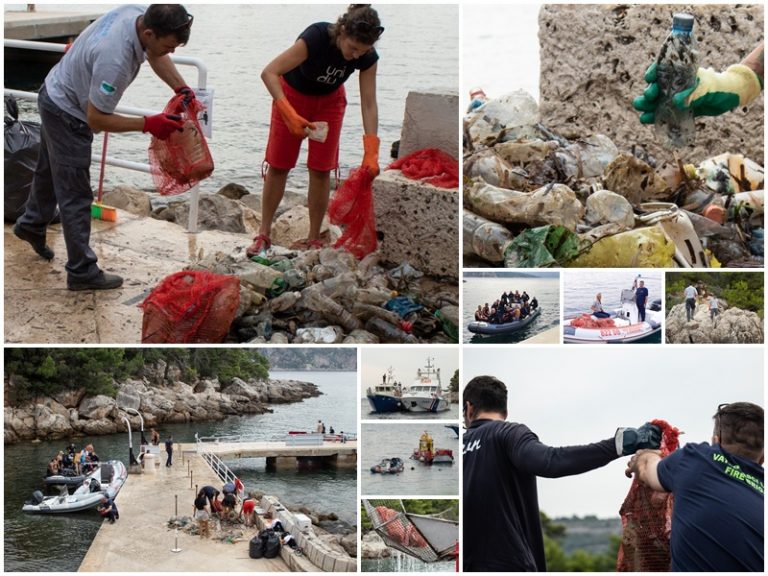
593, 58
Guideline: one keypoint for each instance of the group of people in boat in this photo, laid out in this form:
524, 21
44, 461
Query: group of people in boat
511, 307
73, 462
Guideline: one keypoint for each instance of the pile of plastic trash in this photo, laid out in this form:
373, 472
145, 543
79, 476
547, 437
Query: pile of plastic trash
328, 296
535, 199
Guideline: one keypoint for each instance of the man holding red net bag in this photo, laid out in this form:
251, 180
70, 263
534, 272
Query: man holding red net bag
79, 97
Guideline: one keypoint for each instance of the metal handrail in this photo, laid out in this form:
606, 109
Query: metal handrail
202, 80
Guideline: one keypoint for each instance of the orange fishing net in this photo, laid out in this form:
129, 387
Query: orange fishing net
182, 160
352, 208
646, 519
431, 166
192, 306
586, 321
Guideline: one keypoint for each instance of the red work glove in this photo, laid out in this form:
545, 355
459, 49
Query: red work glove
189, 94
296, 124
371, 153
162, 125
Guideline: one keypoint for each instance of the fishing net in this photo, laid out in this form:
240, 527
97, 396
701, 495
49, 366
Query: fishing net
398, 532
646, 519
586, 321
352, 208
192, 306
431, 166
182, 160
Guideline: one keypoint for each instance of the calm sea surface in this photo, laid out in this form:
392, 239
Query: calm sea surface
482, 290
59, 543
418, 51
395, 439
580, 288
401, 563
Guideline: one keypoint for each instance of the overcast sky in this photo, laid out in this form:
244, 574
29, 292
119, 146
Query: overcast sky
405, 361
577, 395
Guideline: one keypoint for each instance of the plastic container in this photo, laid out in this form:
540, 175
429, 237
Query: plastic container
676, 67
320, 133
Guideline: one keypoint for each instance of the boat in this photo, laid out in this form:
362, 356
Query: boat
69, 478
489, 329
455, 428
426, 393
623, 326
105, 480
428, 454
386, 396
388, 466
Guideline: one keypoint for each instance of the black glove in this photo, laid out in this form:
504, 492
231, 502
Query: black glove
189, 94
630, 440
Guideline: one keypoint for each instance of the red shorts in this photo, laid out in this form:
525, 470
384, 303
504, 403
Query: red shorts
249, 506
283, 147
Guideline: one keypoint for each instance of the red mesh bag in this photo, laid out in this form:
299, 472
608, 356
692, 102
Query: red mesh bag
182, 160
192, 306
431, 165
352, 208
646, 519
586, 321
402, 532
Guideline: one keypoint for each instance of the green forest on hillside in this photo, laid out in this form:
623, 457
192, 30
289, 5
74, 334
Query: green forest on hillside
30, 372
742, 290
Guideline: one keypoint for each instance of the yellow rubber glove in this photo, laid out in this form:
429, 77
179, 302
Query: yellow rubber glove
371, 153
295, 123
719, 92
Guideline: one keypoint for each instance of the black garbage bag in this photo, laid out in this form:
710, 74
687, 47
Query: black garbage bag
22, 146
256, 547
272, 545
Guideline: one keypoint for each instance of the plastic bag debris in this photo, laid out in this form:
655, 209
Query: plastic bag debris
22, 147
542, 247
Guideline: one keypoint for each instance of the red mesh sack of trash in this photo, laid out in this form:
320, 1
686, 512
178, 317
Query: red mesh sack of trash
402, 533
646, 519
586, 321
192, 306
352, 208
182, 160
431, 165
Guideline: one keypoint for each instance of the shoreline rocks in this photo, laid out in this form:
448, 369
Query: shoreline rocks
730, 326
71, 414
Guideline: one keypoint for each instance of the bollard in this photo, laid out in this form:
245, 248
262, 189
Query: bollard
196, 490
176, 497
190, 479
176, 545
188, 467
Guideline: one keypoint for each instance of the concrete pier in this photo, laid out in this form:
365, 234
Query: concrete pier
140, 541
45, 25
281, 456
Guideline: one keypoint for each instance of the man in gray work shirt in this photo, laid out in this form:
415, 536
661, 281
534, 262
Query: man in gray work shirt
78, 98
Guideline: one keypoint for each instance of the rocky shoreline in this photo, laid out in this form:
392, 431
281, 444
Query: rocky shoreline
70, 413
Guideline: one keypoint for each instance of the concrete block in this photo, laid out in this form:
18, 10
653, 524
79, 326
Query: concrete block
594, 56
418, 223
329, 562
431, 121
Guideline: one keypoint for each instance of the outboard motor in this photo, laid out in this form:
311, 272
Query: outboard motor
95, 486
37, 498
656, 305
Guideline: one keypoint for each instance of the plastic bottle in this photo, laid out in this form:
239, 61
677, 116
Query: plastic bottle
389, 333
477, 98
485, 238
676, 67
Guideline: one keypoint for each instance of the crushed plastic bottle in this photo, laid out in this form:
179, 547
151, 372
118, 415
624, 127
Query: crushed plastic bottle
389, 333
477, 98
676, 67
485, 238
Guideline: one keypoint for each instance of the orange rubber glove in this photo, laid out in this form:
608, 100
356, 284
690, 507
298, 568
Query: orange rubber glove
295, 123
371, 153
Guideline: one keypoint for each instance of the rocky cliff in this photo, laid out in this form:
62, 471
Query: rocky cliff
731, 326
70, 413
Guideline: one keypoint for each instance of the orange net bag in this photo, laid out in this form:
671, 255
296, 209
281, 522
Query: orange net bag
192, 306
431, 165
586, 321
352, 208
646, 519
182, 160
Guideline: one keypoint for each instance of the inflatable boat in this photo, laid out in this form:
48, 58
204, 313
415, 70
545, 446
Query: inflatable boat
388, 466
623, 326
70, 479
487, 328
106, 480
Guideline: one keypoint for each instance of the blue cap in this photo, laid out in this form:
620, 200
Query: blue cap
682, 22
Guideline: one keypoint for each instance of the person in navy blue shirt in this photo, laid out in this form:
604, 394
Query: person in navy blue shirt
501, 463
641, 299
718, 514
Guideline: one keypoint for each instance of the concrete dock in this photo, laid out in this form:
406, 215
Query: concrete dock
45, 25
280, 455
40, 310
550, 336
141, 542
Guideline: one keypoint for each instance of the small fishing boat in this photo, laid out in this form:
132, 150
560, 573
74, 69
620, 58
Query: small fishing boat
426, 393
428, 454
386, 396
623, 326
489, 329
388, 466
106, 480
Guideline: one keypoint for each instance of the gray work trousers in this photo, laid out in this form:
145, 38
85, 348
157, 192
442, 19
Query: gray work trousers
63, 177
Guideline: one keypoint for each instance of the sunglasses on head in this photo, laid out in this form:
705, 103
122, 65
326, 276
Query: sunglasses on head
185, 25
366, 28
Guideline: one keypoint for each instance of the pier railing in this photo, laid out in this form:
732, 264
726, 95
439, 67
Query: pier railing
201, 92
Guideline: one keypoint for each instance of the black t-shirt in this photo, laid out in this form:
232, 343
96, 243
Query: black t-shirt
325, 69
501, 509
718, 516
200, 502
229, 500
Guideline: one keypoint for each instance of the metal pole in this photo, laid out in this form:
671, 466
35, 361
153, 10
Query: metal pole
190, 479
176, 498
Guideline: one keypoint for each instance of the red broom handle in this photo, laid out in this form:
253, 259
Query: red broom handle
103, 162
